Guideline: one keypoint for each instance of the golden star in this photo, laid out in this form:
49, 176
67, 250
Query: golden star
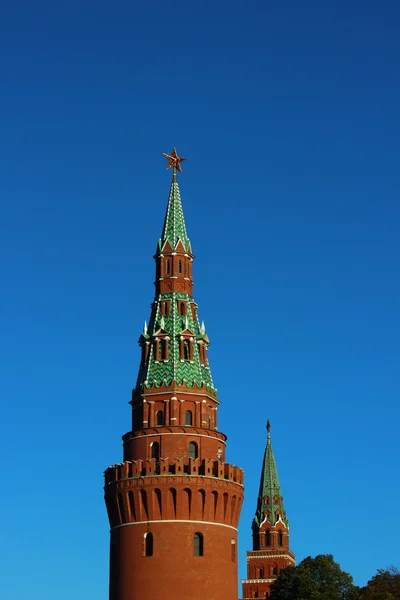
174, 161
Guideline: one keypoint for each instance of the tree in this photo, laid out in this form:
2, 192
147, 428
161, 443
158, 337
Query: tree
385, 585
319, 578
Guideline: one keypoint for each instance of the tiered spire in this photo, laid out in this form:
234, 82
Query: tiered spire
174, 344
270, 501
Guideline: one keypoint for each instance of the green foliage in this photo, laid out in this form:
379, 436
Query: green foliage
319, 578
385, 585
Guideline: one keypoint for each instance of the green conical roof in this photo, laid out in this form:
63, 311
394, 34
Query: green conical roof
269, 497
174, 225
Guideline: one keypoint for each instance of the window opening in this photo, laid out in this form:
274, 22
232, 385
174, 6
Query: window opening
186, 352
198, 544
179, 266
155, 450
159, 417
188, 417
148, 544
280, 538
193, 450
233, 550
168, 267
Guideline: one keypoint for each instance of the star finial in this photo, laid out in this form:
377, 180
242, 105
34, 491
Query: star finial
174, 161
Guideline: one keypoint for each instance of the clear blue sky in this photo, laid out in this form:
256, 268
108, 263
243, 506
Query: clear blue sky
288, 114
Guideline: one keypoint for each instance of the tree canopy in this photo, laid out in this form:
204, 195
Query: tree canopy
319, 578
385, 585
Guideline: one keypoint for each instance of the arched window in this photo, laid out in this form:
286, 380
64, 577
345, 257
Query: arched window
260, 573
148, 544
280, 538
182, 308
198, 544
193, 450
188, 417
267, 538
159, 417
274, 570
168, 266
155, 450
233, 550
186, 351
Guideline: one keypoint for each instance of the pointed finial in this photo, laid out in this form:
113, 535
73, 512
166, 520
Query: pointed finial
202, 328
186, 323
162, 322
269, 429
174, 161
145, 328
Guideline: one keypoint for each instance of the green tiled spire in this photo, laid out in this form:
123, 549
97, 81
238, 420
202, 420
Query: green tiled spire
269, 497
157, 371
174, 225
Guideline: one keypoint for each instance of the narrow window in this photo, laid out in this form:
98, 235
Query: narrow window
260, 573
182, 308
188, 417
274, 570
209, 422
186, 351
148, 544
168, 267
155, 450
193, 450
162, 349
280, 538
179, 266
233, 550
267, 538
198, 544
159, 418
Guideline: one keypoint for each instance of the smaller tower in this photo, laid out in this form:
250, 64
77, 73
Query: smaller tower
270, 526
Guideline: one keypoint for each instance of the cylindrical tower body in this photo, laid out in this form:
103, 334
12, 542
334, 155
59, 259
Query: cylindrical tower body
174, 503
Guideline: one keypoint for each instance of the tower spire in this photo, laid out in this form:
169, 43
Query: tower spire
270, 526
174, 228
270, 501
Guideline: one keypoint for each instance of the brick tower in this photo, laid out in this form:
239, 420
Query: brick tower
270, 552
174, 503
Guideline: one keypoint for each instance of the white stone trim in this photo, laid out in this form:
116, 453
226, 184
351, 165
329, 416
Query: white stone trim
249, 558
197, 393
269, 580
174, 521
209, 437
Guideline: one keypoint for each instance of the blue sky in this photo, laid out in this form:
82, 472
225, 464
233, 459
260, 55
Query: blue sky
288, 116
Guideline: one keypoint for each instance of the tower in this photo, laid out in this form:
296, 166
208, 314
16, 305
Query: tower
174, 503
271, 551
